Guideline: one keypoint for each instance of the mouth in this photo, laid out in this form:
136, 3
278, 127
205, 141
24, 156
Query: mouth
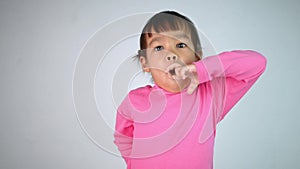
172, 72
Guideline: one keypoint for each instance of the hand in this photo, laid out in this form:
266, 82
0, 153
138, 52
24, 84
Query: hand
179, 72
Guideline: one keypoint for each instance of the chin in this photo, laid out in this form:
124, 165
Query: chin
176, 86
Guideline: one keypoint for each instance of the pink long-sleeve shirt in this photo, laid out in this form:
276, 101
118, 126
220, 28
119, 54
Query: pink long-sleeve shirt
156, 129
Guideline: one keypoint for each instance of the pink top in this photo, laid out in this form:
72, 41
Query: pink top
156, 129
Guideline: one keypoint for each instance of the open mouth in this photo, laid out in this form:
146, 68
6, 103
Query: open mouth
172, 72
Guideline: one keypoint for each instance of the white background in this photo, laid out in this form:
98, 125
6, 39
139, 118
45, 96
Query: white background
41, 40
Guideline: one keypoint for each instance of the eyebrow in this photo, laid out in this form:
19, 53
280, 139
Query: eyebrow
182, 36
155, 39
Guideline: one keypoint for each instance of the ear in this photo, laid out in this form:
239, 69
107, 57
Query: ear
199, 54
144, 64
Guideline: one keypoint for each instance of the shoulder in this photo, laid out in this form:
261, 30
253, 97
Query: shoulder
140, 92
136, 99
140, 96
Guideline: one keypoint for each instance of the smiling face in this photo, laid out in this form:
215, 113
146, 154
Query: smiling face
164, 49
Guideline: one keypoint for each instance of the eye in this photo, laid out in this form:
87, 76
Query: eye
158, 48
181, 45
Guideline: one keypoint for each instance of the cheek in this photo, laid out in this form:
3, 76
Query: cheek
189, 57
158, 76
157, 60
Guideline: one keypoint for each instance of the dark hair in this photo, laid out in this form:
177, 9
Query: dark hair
169, 21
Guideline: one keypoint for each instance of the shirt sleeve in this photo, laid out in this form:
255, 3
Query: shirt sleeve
123, 135
236, 70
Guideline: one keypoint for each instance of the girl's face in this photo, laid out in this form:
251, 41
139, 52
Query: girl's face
164, 49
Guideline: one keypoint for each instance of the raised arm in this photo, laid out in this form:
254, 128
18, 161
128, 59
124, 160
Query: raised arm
239, 69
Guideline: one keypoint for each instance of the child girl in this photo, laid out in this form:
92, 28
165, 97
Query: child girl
172, 124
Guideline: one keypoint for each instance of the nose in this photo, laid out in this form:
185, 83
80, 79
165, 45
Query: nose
172, 58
